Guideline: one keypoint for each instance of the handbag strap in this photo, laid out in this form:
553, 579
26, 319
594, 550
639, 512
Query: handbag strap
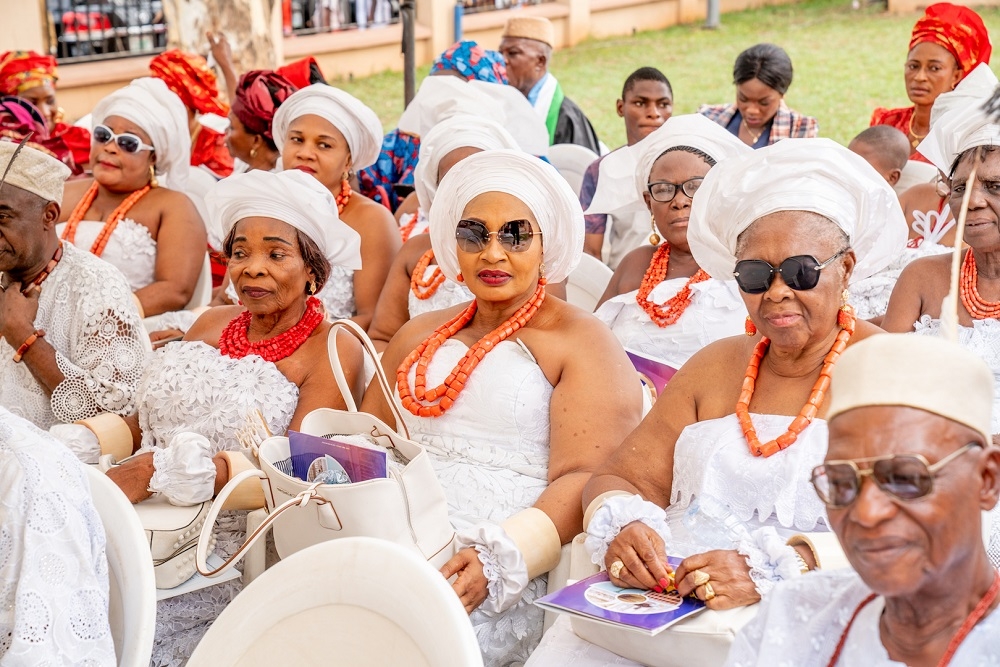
201, 555
338, 372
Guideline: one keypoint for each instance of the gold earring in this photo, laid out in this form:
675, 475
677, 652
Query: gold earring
310, 288
153, 183
253, 152
654, 238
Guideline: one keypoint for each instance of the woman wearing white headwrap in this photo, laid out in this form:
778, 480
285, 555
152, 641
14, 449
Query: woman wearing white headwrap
518, 423
269, 358
134, 213
328, 134
659, 302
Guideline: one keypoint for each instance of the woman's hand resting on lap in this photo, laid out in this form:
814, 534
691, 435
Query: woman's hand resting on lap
133, 477
471, 583
729, 575
642, 551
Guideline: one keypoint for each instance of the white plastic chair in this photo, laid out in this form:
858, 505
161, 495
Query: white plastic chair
571, 161
132, 600
587, 282
354, 601
203, 288
915, 173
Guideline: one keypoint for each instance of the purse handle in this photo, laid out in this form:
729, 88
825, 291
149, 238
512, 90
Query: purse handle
338, 372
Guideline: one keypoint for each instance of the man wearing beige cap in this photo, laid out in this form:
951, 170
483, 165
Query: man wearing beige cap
71, 343
526, 45
910, 469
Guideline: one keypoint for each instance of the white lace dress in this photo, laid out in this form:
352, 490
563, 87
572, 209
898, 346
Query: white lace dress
130, 248
716, 311
191, 386
870, 297
497, 439
87, 312
448, 294
337, 294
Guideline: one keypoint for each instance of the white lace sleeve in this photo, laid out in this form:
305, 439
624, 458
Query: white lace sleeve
618, 512
503, 565
770, 559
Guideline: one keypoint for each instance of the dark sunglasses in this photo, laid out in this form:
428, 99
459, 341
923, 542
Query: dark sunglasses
902, 476
754, 276
514, 236
664, 191
126, 141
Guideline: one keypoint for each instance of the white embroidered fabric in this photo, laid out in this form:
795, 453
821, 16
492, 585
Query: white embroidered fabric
616, 513
88, 315
870, 297
495, 440
716, 311
130, 248
421, 227
448, 294
53, 566
337, 294
803, 619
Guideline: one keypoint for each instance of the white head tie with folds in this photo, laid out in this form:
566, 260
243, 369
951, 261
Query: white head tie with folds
293, 197
456, 132
360, 126
148, 103
958, 121
815, 175
624, 173
547, 194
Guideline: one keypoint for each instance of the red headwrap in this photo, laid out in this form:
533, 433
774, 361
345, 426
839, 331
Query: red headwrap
189, 75
958, 29
302, 73
23, 70
258, 96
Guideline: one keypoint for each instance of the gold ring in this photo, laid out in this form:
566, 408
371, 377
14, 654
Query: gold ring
700, 578
616, 569
709, 592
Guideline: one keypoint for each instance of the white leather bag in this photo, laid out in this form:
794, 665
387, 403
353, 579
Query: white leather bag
408, 507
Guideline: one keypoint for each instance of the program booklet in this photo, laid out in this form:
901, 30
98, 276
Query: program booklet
334, 461
653, 372
597, 599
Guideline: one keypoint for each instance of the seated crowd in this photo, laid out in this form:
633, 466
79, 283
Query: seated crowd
817, 315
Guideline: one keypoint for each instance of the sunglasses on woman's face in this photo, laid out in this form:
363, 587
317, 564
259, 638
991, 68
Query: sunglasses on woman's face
902, 476
665, 191
514, 236
126, 141
754, 276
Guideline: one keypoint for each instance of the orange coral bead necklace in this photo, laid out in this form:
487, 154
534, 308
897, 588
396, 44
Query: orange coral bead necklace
434, 402
979, 308
809, 411
671, 311
117, 215
344, 196
421, 288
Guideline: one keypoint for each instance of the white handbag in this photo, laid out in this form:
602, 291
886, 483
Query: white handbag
408, 507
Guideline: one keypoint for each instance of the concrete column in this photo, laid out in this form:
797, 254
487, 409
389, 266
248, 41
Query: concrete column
577, 22
23, 27
437, 16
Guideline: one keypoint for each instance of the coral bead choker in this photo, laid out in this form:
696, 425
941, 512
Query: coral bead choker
425, 289
235, 342
671, 311
979, 308
117, 215
424, 402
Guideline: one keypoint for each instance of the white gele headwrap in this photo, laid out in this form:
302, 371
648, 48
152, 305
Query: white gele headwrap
624, 173
536, 183
451, 134
148, 103
34, 171
360, 126
293, 197
815, 175
959, 121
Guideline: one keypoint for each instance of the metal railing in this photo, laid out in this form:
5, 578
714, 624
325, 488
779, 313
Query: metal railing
82, 31
476, 6
306, 17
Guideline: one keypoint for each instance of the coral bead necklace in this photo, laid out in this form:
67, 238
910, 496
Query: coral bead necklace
421, 288
434, 402
670, 312
979, 308
344, 196
235, 342
809, 411
117, 215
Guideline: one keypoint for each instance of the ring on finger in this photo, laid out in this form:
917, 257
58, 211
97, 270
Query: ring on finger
616, 569
709, 592
700, 578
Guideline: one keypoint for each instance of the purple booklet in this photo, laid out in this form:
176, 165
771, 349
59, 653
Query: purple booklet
597, 599
653, 372
359, 463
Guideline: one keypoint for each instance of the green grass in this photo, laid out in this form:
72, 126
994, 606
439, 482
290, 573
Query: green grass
846, 63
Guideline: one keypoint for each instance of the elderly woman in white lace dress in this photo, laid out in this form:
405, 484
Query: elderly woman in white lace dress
237, 365
519, 395
659, 301
718, 472
134, 213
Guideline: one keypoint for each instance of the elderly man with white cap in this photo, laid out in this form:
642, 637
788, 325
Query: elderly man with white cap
526, 45
71, 344
908, 473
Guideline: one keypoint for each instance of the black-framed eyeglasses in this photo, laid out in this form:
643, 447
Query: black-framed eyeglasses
665, 191
902, 476
128, 142
801, 272
514, 236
